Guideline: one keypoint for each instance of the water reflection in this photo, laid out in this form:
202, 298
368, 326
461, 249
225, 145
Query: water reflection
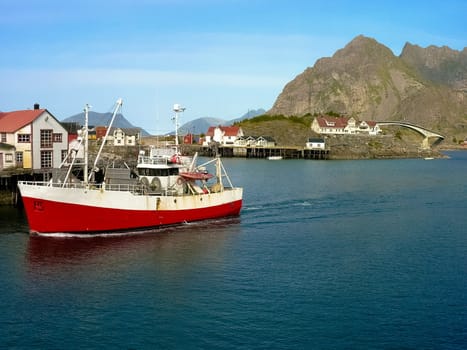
174, 246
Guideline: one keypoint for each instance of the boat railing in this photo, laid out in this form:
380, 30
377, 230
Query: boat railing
136, 189
122, 187
53, 184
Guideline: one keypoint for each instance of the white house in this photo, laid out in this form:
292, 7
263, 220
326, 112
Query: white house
245, 141
241, 141
39, 140
124, 136
315, 143
7, 156
224, 135
265, 141
344, 126
370, 127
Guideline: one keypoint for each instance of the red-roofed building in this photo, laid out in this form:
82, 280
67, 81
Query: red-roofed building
224, 135
343, 126
38, 141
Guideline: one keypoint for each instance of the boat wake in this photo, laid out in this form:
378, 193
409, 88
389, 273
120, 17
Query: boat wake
302, 209
320, 208
88, 235
280, 205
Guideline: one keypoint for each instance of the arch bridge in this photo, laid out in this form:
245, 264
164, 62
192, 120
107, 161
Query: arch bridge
420, 129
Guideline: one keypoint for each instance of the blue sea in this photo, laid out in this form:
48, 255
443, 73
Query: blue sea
362, 254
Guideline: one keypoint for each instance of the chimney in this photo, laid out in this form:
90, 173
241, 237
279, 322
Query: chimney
36, 105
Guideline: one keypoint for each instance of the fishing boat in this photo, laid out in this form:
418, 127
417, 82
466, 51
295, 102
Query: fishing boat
166, 188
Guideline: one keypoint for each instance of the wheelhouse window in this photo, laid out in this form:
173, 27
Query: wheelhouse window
24, 138
46, 138
157, 172
46, 159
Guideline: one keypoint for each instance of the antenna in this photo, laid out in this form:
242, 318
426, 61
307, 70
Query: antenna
177, 109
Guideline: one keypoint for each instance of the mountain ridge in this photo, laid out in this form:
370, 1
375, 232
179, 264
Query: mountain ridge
438, 64
196, 126
367, 81
201, 125
103, 119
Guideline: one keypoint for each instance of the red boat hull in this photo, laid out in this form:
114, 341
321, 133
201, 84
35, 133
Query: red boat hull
72, 218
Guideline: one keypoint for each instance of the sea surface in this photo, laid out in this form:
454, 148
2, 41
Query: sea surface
368, 254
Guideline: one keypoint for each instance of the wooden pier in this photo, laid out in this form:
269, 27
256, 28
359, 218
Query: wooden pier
264, 152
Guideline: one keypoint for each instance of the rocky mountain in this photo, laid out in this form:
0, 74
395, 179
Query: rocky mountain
438, 64
102, 119
367, 81
250, 114
201, 125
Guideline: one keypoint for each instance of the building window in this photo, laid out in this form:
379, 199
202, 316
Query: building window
24, 138
64, 154
8, 158
57, 137
46, 138
46, 159
3, 137
19, 157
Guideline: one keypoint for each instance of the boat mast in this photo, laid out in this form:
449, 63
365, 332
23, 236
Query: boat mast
177, 109
86, 142
117, 107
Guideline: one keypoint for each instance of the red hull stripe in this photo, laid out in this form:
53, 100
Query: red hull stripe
54, 217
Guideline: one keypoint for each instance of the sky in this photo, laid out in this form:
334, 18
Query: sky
216, 58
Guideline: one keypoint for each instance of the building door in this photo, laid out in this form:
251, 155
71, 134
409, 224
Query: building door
27, 164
